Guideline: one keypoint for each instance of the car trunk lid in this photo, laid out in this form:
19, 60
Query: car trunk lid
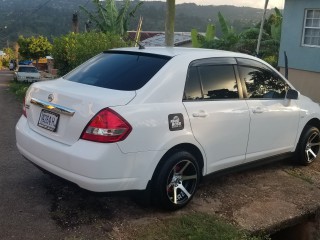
61, 109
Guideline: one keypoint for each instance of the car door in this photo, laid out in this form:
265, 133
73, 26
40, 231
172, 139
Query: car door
274, 119
218, 115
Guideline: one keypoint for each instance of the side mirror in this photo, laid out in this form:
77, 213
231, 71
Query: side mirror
292, 94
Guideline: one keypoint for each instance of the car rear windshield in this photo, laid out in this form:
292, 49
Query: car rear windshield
28, 69
118, 70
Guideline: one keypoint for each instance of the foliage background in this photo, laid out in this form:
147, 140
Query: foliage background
33, 17
34, 47
71, 50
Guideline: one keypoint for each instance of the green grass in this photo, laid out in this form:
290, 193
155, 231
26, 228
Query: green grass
194, 226
19, 89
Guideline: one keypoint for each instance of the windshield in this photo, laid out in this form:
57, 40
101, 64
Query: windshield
118, 70
28, 69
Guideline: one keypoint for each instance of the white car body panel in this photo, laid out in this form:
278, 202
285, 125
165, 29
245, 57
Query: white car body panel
151, 130
308, 110
224, 146
269, 120
151, 123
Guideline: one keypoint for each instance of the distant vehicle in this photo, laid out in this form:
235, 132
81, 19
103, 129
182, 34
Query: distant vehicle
27, 73
25, 62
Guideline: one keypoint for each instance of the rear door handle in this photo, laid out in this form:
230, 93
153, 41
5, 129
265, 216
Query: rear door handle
201, 114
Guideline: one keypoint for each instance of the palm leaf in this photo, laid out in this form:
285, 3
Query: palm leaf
224, 25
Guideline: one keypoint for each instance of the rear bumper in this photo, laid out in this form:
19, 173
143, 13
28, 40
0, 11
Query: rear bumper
94, 166
30, 80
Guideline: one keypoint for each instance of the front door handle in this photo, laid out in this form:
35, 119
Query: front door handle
201, 114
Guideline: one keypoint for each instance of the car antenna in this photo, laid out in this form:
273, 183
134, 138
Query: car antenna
140, 45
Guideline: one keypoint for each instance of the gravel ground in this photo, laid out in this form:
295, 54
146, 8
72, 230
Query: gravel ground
36, 206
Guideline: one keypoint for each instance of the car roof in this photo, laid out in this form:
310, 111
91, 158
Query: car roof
175, 51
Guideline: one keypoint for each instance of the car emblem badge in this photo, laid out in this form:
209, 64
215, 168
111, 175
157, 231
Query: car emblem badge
50, 97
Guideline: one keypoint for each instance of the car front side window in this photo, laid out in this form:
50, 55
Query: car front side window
262, 83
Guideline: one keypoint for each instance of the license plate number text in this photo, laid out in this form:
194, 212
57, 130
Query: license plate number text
48, 120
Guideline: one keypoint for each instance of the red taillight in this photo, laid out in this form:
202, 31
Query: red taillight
24, 112
107, 127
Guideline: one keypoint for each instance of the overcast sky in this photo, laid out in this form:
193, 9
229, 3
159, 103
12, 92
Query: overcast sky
247, 3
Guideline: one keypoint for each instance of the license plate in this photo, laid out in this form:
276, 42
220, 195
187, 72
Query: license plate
48, 120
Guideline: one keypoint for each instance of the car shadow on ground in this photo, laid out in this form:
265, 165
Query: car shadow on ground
72, 206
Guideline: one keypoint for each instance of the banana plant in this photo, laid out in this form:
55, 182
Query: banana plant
198, 40
227, 41
108, 18
246, 40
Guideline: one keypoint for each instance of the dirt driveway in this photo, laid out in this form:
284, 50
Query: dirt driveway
36, 206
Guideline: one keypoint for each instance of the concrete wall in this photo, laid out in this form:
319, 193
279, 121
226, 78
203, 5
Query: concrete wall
299, 57
308, 83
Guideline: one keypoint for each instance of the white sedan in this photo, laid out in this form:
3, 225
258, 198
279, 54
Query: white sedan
159, 119
27, 73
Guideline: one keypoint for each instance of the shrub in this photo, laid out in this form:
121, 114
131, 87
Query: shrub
71, 50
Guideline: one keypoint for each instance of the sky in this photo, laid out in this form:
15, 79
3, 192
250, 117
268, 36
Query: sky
246, 3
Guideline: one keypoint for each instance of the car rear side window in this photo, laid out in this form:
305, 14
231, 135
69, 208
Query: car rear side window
193, 88
118, 70
216, 82
219, 82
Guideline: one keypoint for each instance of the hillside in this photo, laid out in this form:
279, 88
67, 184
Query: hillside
52, 18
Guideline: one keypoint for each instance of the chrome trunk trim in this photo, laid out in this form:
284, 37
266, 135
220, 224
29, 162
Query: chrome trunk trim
53, 107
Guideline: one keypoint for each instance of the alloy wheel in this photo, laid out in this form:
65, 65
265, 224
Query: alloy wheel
182, 182
312, 147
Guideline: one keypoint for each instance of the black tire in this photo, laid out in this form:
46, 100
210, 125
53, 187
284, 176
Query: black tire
176, 181
308, 146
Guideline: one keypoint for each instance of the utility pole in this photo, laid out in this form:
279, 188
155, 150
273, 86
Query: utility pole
87, 26
75, 23
3, 36
16, 52
169, 27
261, 26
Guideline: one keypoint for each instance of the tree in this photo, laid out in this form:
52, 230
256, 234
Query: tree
198, 40
169, 25
228, 40
108, 18
9, 55
273, 24
271, 44
246, 41
34, 48
9, 52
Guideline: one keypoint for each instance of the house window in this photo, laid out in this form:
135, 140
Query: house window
311, 31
